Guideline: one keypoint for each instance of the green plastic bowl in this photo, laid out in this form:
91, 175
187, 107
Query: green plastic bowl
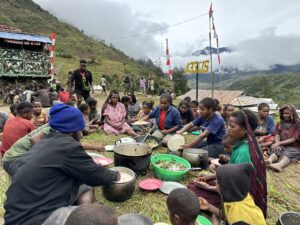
169, 175
203, 221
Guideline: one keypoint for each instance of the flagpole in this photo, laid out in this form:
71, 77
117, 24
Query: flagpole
210, 53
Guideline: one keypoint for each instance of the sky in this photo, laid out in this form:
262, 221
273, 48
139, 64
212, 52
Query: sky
261, 33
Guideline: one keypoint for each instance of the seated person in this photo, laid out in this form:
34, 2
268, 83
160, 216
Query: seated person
287, 140
195, 109
133, 106
3, 119
168, 119
214, 129
53, 95
39, 117
13, 111
266, 126
17, 150
91, 214
64, 96
42, 96
245, 150
227, 111
125, 101
233, 184
147, 108
183, 207
186, 113
89, 127
227, 142
17, 127
94, 115
114, 114
62, 165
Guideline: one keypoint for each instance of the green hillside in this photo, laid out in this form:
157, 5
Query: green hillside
72, 44
283, 88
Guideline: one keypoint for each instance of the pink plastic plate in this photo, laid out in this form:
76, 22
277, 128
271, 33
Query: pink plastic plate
150, 184
103, 161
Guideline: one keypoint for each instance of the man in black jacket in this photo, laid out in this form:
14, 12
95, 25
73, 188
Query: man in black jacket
51, 175
83, 82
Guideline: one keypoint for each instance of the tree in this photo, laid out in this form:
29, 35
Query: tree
180, 81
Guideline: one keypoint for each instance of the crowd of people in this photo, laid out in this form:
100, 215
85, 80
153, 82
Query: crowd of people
53, 177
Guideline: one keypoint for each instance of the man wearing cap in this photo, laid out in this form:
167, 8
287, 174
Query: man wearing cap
83, 82
51, 176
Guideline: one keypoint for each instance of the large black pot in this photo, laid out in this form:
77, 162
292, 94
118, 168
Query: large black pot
289, 218
122, 190
135, 156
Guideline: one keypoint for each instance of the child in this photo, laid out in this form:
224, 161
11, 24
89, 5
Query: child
147, 108
92, 214
183, 207
227, 111
287, 140
89, 128
233, 184
39, 117
227, 142
194, 107
114, 115
133, 106
168, 119
125, 101
214, 129
64, 96
94, 115
266, 126
186, 113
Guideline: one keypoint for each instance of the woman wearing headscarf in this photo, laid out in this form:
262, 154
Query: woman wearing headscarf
287, 140
238, 207
245, 150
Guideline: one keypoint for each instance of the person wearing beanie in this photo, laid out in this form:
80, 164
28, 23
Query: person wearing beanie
55, 173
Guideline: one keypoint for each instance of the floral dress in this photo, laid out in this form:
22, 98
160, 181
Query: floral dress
115, 115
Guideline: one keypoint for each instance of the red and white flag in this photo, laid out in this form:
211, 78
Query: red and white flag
210, 10
168, 60
53, 36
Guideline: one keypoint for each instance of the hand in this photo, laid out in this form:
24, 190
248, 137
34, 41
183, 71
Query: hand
275, 146
223, 158
184, 146
165, 131
202, 185
204, 205
204, 178
179, 132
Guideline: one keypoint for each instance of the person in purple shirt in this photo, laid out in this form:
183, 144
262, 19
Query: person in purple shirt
143, 85
213, 126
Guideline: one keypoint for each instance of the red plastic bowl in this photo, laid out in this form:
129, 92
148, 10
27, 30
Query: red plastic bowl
150, 184
103, 161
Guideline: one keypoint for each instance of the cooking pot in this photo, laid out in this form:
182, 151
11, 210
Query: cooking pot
125, 140
135, 156
120, 191
289, 218
197, 157
139, 139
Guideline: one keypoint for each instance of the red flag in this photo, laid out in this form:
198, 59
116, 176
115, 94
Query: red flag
210, 10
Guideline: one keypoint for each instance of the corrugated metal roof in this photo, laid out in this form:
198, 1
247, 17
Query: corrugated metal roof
224, 96
25, 37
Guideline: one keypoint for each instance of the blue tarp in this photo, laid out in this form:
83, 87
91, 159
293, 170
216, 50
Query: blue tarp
25, 37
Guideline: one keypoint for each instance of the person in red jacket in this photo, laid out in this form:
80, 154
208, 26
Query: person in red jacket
64, 96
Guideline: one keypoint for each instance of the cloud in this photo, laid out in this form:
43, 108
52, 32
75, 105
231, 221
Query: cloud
111, 21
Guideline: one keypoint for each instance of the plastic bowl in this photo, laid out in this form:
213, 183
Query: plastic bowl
169, 175
203, 221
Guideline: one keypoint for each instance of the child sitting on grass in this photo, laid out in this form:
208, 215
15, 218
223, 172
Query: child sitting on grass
89, 127
237, 207
39, 117
183, 207
228, 142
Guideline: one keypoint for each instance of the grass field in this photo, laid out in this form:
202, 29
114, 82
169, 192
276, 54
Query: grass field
283, 189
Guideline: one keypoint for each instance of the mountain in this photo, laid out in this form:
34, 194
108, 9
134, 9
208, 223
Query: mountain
73, 44
206, 51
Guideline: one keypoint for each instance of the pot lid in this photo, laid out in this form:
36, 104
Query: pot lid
175, 142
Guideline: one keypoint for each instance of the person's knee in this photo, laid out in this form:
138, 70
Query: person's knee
86, 198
